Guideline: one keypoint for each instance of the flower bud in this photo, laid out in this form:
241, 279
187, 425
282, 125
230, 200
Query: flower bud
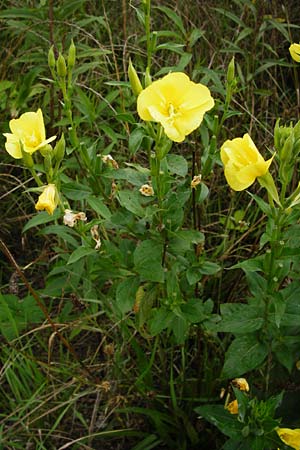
135, 83
51, 58
46, 149
61, 66
59, 149
71, 56
286, 152
230, 71
148, 79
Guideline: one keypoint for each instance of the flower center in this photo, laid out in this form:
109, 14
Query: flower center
173, 111
32, 140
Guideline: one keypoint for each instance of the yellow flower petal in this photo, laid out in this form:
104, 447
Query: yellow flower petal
48, 200
290, 437
241, 384
29, 129
177, 103
242, 162
295, 52
12, 145
233, 407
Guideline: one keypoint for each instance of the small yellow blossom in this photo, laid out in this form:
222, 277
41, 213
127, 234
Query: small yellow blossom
29, 132
295, 52
195, 181
242, 162
233, 407
108, 159
48, 200
146, 190
241, 384
70, 218
290, 437
177, 103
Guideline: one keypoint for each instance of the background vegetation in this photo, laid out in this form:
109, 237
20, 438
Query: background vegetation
125, 379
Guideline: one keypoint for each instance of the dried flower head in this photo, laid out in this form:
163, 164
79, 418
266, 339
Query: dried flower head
70, 218
108, 159
146, 190
195, 181
96, 236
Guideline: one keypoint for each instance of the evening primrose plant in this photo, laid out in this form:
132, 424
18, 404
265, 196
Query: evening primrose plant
150, 242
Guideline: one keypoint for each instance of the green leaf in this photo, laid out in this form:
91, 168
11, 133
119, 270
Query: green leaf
257, 284
61, 231
218, 416
174, 17
251, 265
40, 218
135, 140
137, 178
125, 294
130, 200
76, 191
181, 241
16, 314
79, 253
177, 164
96, 203
245, 353
147, 260
161, 319
239, 318
179, 326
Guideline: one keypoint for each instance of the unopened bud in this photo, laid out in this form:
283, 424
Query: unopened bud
61, 66
148, 79
231, 71
59, 148
51, 58
71, 56
287, 150
135, 83
46, 149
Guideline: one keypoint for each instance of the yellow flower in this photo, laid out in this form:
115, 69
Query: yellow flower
243, 162
290, 437
241, 384
48, 199
28, 131
233, 407
295, 52
177, 103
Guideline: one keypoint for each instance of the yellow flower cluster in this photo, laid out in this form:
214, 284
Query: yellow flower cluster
27, 136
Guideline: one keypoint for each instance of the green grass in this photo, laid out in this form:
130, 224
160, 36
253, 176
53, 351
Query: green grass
127, 383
